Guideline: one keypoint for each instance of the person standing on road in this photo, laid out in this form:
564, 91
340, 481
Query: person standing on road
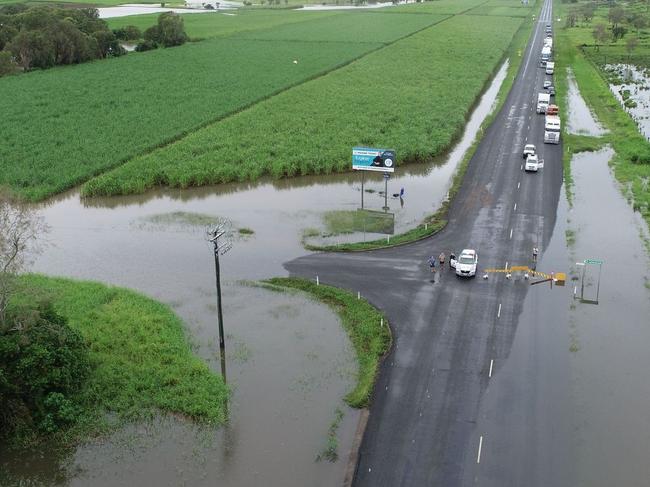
441, 259
432, 263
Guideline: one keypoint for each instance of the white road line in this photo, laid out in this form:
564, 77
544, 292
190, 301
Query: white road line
511, 233
491, 364
506, 265
515, 209
518, 184
522, 167
499, 312
480, 445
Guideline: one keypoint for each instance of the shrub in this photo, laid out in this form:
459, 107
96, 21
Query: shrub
43, 362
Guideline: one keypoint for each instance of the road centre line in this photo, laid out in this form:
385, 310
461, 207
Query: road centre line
515, 208
491, 364
499, 312
511, 233
518, 184
480, 446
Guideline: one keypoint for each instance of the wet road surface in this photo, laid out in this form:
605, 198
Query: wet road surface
449, 332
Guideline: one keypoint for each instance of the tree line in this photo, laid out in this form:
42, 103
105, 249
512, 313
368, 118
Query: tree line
46, 36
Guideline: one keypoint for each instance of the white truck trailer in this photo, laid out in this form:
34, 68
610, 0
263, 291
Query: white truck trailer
552, 129
543, 99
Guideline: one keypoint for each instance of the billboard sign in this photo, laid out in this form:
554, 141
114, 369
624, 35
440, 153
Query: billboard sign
367, 159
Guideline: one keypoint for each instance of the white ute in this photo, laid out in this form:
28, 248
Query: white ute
529, 149
466, 263
533, 163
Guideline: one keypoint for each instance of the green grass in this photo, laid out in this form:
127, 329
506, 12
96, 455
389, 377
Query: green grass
339, 222
62, 126
439, 6
623, 135
362, 323
142, 361
219, 25
418, 106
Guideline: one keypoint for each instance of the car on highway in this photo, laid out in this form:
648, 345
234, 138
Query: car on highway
547, 84
532, 163
529, 149
551, 90
466, 263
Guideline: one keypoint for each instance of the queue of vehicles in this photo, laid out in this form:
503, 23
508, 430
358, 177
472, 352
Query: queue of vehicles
466, 264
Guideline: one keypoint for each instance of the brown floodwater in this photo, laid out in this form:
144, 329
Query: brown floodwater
637, 81
609, 359
288, 360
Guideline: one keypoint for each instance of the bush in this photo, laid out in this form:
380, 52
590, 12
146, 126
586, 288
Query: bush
43, 362
128, 33
145, 46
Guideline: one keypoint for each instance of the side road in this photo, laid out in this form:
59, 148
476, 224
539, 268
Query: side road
447, 330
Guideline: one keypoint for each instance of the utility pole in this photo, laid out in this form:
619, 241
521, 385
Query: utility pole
213, 236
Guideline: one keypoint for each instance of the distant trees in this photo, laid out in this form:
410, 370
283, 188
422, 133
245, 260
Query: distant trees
600, 35
168, 32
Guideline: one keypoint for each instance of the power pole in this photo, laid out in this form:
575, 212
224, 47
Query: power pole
213, 236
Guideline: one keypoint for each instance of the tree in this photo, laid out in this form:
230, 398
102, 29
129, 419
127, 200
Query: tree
639, 22
630, 46
600, 35
618, 32
588, 11
32, 49
616, 16
7, 65
21, 227
570, 19
172, 29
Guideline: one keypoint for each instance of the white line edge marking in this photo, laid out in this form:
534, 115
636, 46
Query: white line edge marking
480, 446
491, 364
499, 312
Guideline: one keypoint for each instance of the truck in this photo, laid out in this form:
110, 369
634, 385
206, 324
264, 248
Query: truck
550, 67
543, 99
548, 42
552, 129
552, 110
546, 53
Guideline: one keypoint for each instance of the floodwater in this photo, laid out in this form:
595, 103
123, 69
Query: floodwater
280, 410
610, 359
144, 9
637, 81
580, 120
287, 359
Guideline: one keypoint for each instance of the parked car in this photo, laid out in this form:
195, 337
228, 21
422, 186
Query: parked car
529, 149
551, 90
547, 83
466, 263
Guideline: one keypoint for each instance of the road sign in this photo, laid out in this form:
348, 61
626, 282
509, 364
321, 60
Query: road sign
368, 159
594, 261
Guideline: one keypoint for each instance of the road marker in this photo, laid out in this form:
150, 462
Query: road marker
499, 312
491, 364
511, 233
480, 445
518, 184
515, 208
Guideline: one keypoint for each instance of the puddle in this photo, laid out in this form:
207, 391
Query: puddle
610, 340
280, 410
580, 121
631, 86
155, 243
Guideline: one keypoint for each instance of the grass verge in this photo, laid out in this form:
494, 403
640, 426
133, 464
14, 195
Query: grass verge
142, 363
363, 324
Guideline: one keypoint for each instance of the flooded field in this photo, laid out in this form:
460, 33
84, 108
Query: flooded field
609, 340
580, 120
631, 86
287, 359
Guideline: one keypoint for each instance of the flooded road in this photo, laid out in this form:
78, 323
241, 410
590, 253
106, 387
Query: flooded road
609, 359
288, 359
580, 121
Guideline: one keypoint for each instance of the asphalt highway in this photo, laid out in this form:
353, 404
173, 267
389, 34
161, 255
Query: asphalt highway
451, 334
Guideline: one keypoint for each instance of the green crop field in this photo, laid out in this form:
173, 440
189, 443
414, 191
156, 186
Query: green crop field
60, 127
440, 6
413, 95
350, 27
219, 24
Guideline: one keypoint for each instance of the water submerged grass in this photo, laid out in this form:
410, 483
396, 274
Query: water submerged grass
366, 326
142, 363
